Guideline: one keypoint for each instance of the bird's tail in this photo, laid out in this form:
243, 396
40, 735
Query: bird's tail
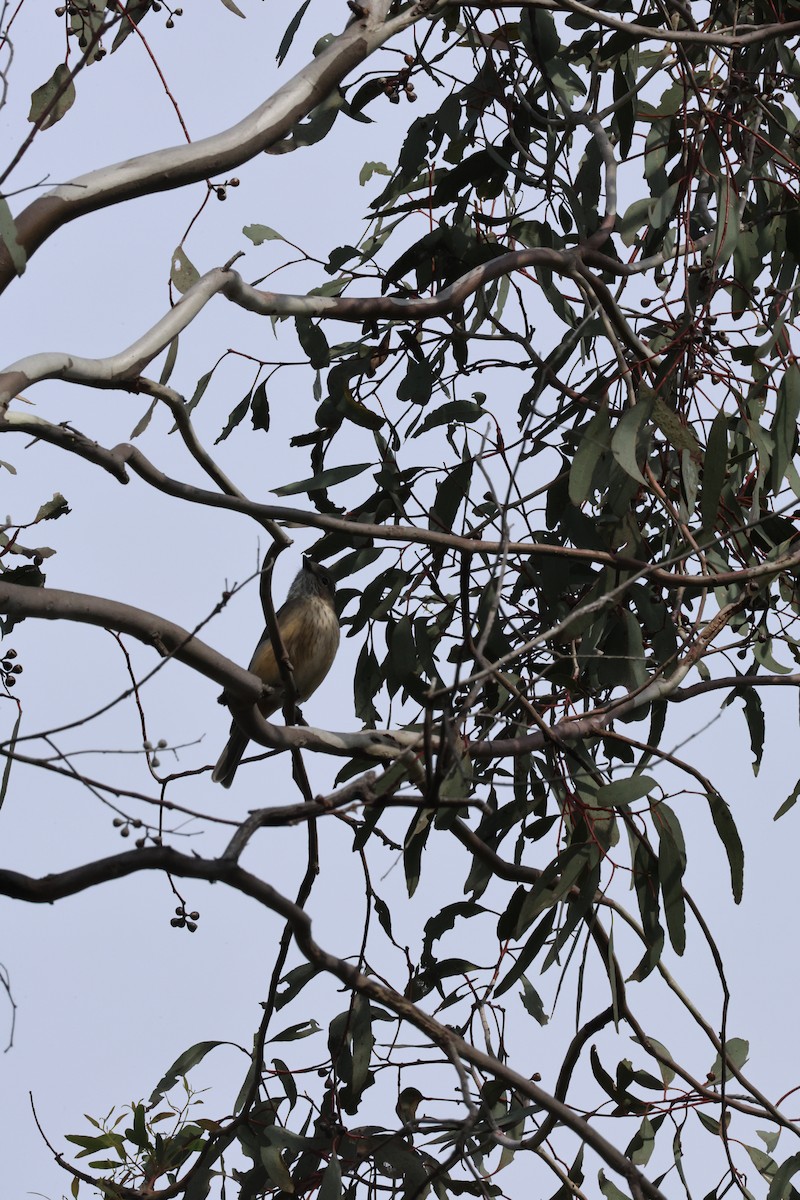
230, 758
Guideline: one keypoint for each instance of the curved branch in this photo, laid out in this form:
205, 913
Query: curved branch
116, 369
169, 639
688, 36
125, 366
65, 438
735, 683
68, 883
398, 308
244, 690
178, 166
114, 461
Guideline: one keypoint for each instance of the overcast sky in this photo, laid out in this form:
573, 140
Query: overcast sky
107, 993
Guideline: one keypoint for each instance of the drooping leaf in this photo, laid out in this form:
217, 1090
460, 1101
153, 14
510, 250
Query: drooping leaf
363, 1042
779, 1188
671, 868
330, 1187
626, 440
789, 802
715, 467
415, 840
273, 1163
532, 1001
727, 231
736, 1053
754, 714
417, 384
729, 836
641, 1146
645, 880
528, 952
237, 415
286, 1080
169, 361
314, 342
663, 205
53, 99
199, 390
631, 223
450, 495
366, 684
596, 441
12, 741
784, 425
259, 407
183, 272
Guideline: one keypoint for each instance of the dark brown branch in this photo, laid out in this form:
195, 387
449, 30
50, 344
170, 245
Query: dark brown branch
125, 454
169, 639
65, 438
735, 683
399, 308
51, 888
692, 37
244, 689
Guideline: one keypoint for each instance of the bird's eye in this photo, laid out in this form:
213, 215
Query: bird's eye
326, 580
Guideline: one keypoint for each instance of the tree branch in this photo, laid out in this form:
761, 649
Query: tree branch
114, 462
50, 888
725, 38
164, 170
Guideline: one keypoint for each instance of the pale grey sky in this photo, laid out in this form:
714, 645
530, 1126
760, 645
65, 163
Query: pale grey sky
107, 993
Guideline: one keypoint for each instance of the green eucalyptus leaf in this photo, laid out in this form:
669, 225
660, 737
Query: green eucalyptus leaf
291, 30
737, 1051
726, 234
181, 1067
625, 791
330, 1187
294, 1033
325, 479
626, 440
237, 415
258, 234
729, 836
51, 101
183, 273
780, 1188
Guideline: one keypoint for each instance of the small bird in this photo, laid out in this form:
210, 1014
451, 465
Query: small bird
309, 629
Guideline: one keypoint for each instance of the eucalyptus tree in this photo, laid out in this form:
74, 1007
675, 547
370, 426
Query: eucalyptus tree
549, 409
